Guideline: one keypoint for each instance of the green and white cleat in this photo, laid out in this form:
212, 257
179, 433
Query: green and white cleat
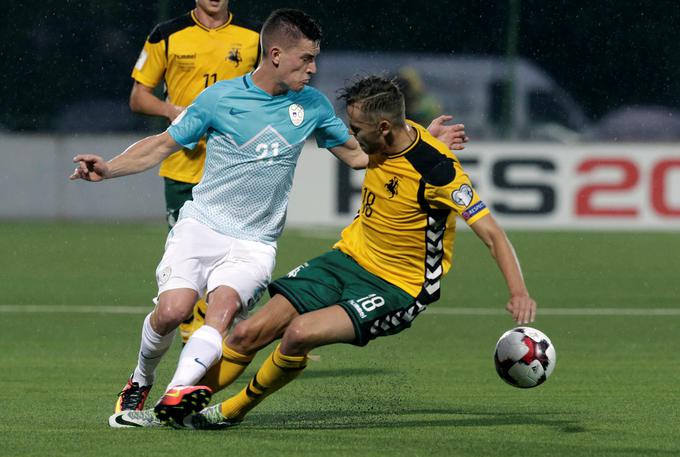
209, 419
130, 419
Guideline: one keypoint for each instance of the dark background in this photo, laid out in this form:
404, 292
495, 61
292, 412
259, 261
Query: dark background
606, 54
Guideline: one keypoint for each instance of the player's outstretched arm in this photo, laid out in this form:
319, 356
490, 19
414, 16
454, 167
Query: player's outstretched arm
451, 135
351, 153
521, 305
139, 157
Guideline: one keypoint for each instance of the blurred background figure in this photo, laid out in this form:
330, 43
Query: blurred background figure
421, 106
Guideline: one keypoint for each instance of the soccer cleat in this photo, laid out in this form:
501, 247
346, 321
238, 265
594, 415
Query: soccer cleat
209, 419
180, 402
130, 419
132, 397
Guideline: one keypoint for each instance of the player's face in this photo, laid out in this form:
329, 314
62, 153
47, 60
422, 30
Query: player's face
297, 64
366, 131
212, 7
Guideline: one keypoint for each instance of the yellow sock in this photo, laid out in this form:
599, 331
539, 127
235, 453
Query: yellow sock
227, 370
193, 322
276, 371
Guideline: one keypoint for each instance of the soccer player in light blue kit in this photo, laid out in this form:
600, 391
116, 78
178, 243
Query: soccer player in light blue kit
225, 240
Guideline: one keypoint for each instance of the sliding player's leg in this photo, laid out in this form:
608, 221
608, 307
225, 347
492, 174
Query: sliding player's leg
248, 337
287, 361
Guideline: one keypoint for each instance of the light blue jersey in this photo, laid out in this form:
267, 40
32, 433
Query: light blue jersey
254, 141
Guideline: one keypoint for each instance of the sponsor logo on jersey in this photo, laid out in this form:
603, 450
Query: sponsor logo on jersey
293, 273
358, 309
392, 186
474, 209
236, 111
462, 196
185, 56
235, 56
296, 113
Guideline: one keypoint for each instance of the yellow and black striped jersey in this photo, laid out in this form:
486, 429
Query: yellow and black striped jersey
406, 226
189, 57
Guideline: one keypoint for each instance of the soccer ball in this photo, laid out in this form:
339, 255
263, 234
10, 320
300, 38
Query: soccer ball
524, 357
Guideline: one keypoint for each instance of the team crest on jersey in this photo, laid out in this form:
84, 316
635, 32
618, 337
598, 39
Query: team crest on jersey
462, 196
235, 56
297, 114
392, 186
164, 275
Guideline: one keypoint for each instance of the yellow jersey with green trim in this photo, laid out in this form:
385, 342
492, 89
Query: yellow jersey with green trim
405, 229
189, 57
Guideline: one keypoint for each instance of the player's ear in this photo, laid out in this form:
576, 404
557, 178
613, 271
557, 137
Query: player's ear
384, 127
275, 55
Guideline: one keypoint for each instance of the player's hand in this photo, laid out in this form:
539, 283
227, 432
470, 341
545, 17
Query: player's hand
522, 308
451, 135
90, 168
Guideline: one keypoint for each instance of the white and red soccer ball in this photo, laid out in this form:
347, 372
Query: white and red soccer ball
525, 357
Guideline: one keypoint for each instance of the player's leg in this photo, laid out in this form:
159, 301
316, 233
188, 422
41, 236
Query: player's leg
236, 282
203, 349
289, 359
176, 194
248, 337
367, 308
237, 279
309, 287
181, 275
158, 331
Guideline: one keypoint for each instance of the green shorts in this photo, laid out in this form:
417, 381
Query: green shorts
375, 306
176, 194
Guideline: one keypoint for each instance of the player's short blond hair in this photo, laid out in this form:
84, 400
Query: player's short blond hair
376, 96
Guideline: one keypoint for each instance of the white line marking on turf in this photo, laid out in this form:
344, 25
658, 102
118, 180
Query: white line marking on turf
559, 311
75, 309
432, 310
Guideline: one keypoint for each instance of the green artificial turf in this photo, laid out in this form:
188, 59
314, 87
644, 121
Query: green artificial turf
430, 391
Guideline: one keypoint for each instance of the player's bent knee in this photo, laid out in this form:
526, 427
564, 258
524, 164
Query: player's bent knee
298, 338
169, 314
244, 337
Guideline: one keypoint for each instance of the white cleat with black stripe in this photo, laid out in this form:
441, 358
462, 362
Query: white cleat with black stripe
131, 419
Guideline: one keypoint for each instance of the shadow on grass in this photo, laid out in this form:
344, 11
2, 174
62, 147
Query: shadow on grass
345, 372
377, 416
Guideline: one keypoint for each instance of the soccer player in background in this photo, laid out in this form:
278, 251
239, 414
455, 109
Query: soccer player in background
386, 268
224, 242
188, 53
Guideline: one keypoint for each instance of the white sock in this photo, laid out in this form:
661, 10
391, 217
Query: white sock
203, 349
151, 351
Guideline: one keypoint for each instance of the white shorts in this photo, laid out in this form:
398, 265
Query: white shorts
199, 258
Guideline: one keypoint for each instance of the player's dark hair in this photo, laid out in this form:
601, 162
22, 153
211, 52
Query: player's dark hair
290, 24
379, 96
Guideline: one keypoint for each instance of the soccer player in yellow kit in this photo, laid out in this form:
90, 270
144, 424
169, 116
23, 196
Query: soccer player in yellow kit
387, 267
188, 54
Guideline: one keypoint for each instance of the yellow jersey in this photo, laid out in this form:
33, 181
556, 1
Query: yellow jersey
405, 229
190, 57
